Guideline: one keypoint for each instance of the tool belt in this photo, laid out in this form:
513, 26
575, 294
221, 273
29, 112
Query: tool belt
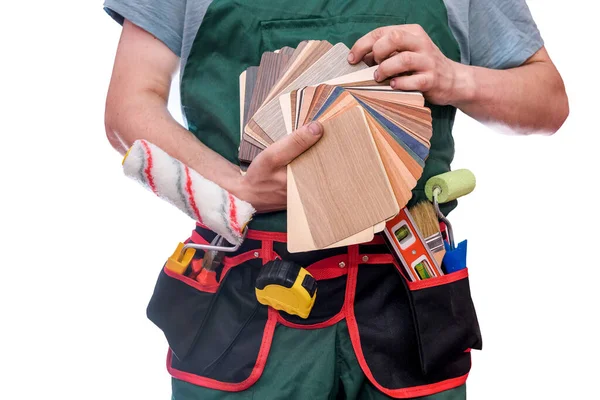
411, 338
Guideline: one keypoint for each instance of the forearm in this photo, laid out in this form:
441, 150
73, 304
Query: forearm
527, 99
145, 116
136, 107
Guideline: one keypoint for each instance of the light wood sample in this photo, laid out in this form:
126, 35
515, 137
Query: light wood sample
342, 183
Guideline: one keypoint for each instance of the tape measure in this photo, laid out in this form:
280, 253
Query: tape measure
286, 286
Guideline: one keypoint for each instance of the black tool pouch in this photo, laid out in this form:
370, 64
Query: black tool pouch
213, 333
179, 309
445, 319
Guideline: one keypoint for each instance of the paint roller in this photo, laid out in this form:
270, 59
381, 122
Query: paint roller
442, 189
225, 215
199, 198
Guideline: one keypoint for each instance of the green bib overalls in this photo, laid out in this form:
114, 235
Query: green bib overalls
235, 34
370, 331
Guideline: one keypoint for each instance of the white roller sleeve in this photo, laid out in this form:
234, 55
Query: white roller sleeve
199, 198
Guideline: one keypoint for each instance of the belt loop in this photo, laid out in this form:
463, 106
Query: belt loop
353, 253
267, 251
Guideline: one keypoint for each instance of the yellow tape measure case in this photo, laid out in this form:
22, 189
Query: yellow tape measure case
288, 287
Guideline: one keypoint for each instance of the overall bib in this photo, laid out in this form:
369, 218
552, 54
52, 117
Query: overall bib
372, 333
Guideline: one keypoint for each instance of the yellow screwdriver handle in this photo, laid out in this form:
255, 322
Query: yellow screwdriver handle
180, 260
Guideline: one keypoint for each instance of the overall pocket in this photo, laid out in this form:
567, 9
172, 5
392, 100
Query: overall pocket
445, 319
178, 307
346, 29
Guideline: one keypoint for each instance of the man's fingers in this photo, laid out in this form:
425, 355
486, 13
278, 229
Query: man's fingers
415, 29
286, 149
418, 82
368, 59
364, 45
406, 61
395, 40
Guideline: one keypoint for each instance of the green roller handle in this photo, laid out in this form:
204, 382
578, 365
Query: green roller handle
453, 184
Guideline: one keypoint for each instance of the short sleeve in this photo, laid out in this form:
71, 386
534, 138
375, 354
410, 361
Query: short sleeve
164, 19
502, 33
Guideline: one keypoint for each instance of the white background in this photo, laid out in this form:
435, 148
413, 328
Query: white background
81, 245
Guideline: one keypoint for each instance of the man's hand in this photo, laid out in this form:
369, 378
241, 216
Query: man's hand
527, 99
265, 183
408, 50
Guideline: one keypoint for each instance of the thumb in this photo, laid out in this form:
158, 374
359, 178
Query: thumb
285, 150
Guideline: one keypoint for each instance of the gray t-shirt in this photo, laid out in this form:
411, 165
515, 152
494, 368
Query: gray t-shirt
497, 34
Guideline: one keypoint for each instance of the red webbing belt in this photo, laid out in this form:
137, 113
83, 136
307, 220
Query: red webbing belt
326, 268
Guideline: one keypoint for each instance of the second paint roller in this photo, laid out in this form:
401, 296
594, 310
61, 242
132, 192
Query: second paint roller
442, 189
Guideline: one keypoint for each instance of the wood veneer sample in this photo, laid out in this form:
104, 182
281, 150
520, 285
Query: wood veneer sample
302, 61
248, 149
411, 98
334, 63
271, 68
342, 183
307, 98
409, 166
298, 228
255, 143
363, 75
337, 97
299, 236
415, 148
409, 162
400, 178
322, 93
288, 51
420, 132
270, 71
285, 102
301, 58
256, 132
242, 80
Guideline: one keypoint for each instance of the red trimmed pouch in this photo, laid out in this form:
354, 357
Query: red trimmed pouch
445, 319
411, 340
219, 336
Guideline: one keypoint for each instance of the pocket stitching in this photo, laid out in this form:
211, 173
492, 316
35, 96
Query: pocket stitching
439, 281
309, 22
190, 282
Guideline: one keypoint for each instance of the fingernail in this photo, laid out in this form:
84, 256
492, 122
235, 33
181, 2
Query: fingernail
350, 58
393, 84
376, 75
315, 128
